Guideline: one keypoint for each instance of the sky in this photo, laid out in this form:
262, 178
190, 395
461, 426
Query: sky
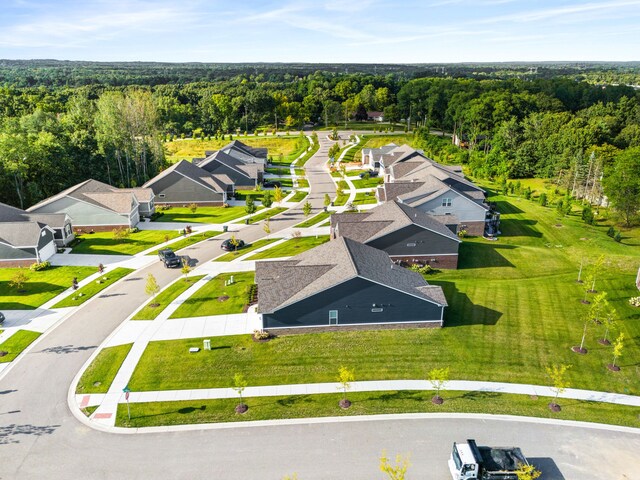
321, 31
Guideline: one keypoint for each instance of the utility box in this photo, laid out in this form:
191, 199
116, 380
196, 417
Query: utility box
207, 344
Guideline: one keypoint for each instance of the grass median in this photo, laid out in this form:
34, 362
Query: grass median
165, 297
314, 220
291, 247
92, 289
243, 251
369, 403
105, 243
188, 241
97, 378
16, 343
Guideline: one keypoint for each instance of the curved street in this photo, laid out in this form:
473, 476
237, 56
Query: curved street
40, 438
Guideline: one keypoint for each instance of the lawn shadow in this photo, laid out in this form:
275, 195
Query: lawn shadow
478, 395
519, 227
292, 400
506, 208
483, 255
188, 410
462, 311
547, 467
415, 395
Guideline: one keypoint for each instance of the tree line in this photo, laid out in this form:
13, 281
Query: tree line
52, 137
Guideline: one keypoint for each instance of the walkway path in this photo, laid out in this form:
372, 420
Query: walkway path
368, 386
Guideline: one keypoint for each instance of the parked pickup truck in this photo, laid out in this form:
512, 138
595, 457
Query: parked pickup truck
169, 258
468, 461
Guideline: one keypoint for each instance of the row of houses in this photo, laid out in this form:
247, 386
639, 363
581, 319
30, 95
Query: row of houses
33, 235
442, 191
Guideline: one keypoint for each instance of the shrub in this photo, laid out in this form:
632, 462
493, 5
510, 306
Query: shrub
252, 294
543, 199
634, 301
618, 237
462, 233
38, 266
611, 232
587, 215
261, 335
527, 193
423, 269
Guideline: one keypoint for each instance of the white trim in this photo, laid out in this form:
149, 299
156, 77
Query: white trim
352, 324
426, 255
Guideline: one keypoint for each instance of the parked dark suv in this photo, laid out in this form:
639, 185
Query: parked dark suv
228, 245
1, 318
169, 258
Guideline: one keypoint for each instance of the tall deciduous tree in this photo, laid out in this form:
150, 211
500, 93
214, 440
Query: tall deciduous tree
622, 185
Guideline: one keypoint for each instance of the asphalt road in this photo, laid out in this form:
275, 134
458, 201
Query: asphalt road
40, 438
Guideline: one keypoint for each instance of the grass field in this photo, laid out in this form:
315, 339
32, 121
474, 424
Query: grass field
103, 243
287, 146
299, 196
257, 195
90, 290
214, 298
16, 343
340, 200
368, 182
272, 212
100, 374
514, 309
40, 287
365, 198
202, 215
377, 141
187, 241
369, 403
314, 220
291, 247
165, 297
248, 249
314, 148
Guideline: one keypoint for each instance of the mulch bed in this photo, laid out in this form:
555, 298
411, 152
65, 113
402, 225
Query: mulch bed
242, 408
223, 298
3, 353
602, 341
344, 403
437, 400
613, 368
554, 407
581, 351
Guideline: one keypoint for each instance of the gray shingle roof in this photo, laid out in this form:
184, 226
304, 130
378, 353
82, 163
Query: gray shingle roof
99, 194
13, 214
194, 173
282, 283
249, 170
21, 234
385, 219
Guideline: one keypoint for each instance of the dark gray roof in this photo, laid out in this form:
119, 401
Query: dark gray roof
21, 234
385, 219
282, 283
101, 195
13, 214
250, 170
194, 173
391, 191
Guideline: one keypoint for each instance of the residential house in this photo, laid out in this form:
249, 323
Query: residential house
387, 155
406, 234
244, 152
96, 206
184, 183
245, 176
27, 238
375, 116
344, 284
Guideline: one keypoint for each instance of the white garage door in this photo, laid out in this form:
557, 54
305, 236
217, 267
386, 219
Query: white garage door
47, 251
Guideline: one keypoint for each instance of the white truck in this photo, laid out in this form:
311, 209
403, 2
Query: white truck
468, 461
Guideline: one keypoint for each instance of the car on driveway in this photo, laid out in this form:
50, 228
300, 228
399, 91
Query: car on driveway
271, 184
371, 173
1, 318
169, 258
228, 245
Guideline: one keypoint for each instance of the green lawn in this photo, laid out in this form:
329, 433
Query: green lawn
377, 141
41, 287
299, 196
103, 243
187, 241
314, 220
365, 198
303, 183
372, 182
249, 248
202, 215
314, 148
341, 200
514, 308
100, 374
336, 174
290, 147
214, 298
165, 297
257, 195
291, 247
369, 403
85, 293
272, 212
16, 343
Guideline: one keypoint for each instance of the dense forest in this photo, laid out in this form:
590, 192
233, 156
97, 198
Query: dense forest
63, 122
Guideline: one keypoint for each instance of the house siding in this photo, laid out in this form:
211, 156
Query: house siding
84, 214
464, 210
177, 189
63, 236
353, 300
426, 242
10, 254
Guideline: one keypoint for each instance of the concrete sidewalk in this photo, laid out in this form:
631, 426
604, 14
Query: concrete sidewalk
370, 386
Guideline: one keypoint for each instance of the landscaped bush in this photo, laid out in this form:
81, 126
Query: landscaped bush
462, 233
634, 301
38, 266
252, 294
424, 269
156, 215
611, 232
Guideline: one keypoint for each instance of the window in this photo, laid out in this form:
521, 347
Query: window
333, 317
44, 233
446, 202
